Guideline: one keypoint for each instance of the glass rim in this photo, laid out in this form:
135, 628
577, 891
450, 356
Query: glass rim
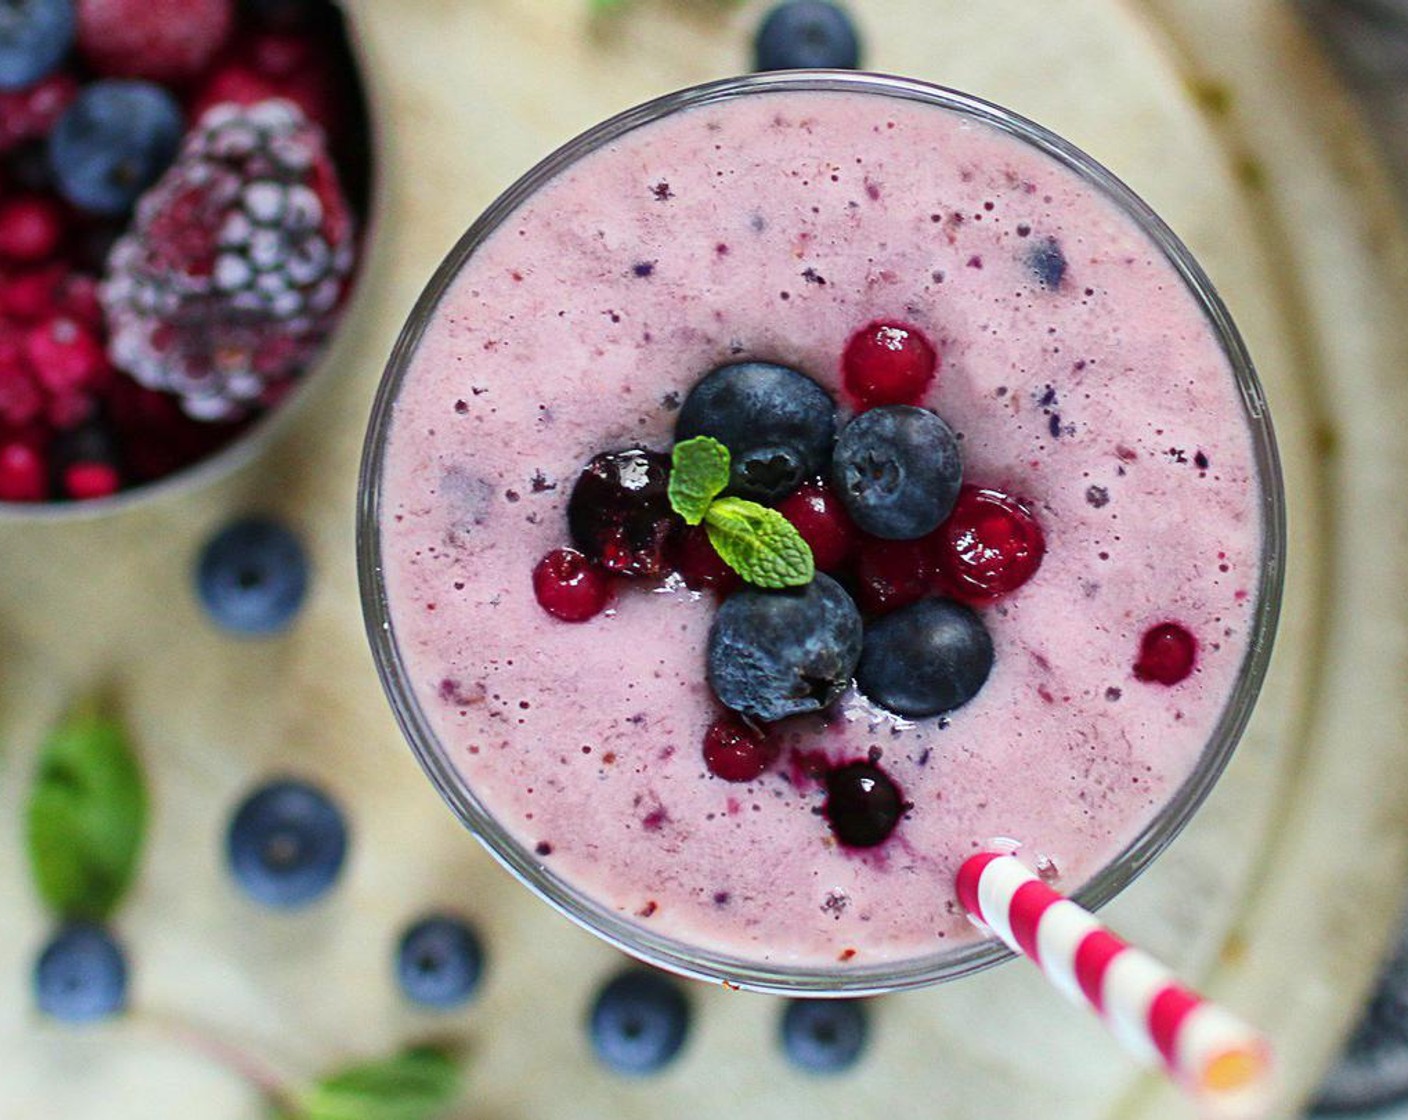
671, 953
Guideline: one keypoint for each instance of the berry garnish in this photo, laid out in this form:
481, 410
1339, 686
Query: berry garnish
162, 40
818, 515
990, 545
774, 654
778, 425
81, 975
286, 844
1167, 654
736, 752
252, 576
888, 363
31, 227
806, 35
114, 142
439, 961
233, 275
863, 805
699, 563
568, 586
929, 657
638, 1022
824, 1035
34, 37
619, 513
892, 574
897, 469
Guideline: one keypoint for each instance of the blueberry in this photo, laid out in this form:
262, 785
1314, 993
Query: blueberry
824, 1035
286, 844
1047, 263
114, 142
898, 471
806, 35
439, 961
252, 577
774, 654
929, 657
638, 1021
81, 975
778, 424
34, 37
620, 515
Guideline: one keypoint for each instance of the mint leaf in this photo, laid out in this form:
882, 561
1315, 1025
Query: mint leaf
759, 544
87, 815
698, 475
417, 1084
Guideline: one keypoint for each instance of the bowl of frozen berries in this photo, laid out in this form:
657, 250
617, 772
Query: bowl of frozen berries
183, 188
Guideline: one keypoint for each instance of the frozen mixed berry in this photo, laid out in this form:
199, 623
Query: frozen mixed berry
736, 751
35, 35
81, 974
67, 356
230, 280
778, 424
620, 515
286, 15
929, 657
699, 564
569, 586
818, 515
24, 474
31, 294
439, 961
161, 40
774, 654
87, 480
638, 1022
888, 363
295, 68
824, 1035
113, 143
806, 35
893, 574
31, 112
990, 545
898, 470
286, 844
1167, 654
863, 804
84, 462
252, 576
31, 229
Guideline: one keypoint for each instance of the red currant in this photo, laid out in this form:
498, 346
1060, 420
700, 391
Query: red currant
888, 363
990, 545
568, 586
817, 514
736, 752
1167, 654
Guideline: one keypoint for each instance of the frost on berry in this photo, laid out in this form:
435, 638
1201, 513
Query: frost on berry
234, 271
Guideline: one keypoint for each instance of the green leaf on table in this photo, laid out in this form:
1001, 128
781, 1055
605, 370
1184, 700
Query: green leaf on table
87, 815
416, 1084
759, 544
698, 474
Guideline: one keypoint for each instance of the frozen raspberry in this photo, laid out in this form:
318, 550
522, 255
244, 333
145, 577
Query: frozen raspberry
990, 545
568, 586
22, 473
1167, 654
888, 363
31, 228
700, 565
77, 297
231, 278
29, 113
162, 40
736, 752
821, 519
66, 356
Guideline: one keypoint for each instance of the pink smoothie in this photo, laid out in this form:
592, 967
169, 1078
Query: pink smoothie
773, 227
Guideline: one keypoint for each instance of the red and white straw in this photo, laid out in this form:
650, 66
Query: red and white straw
1212, 1054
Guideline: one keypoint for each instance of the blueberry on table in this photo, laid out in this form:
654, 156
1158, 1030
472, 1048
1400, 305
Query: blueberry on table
807, 35
824, 1035
34, 37
439, 961
81, 975
778, 425
774, 654
286, 844
638, 1022
113, 143
929, 657
898, 470
252, 577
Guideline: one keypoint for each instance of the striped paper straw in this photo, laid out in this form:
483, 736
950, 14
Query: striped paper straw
1220, 1060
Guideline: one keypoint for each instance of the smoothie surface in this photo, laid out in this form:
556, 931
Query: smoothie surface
774, 226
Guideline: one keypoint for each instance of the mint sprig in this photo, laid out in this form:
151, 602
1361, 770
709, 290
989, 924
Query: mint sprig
87, 815
758, 543
416, 1084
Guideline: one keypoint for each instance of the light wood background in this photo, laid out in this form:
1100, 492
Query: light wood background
1278, 899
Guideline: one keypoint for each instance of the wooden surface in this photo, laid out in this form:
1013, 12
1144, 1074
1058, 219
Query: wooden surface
1277, 899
